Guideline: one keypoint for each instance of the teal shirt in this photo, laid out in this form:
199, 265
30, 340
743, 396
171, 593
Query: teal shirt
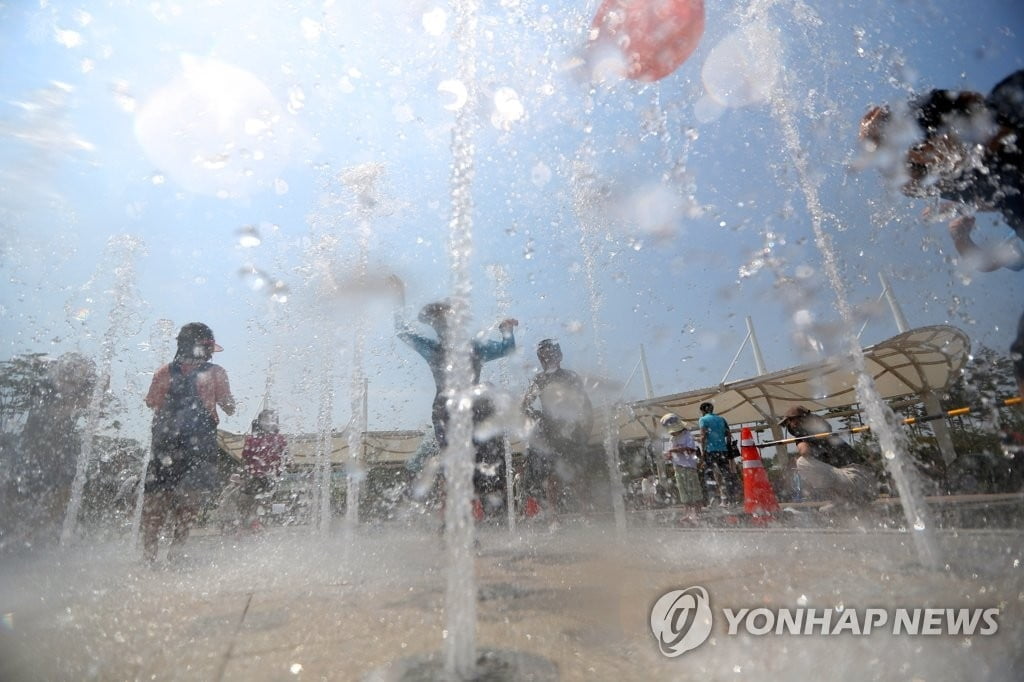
717, 430
436, 355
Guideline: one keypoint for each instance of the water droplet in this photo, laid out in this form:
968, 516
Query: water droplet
507, 108
540, 174
295, 668
311, 30
68, 38
253, 277
215, 162
279, 292
296, 99
435, 21
457, 90
256, 126
248, 237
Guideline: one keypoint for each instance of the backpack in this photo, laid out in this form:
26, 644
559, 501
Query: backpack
183, 422
184, 437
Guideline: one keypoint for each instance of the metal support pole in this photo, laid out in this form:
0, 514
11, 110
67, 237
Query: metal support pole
648, 386
940, 428
781, 451
758, 358
865, 325
659, 463
897, 313
735, 358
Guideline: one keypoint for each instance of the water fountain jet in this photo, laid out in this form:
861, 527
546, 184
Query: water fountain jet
123, 249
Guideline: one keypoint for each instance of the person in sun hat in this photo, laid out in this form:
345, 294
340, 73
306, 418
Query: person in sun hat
829, 468
184, 396
681, 450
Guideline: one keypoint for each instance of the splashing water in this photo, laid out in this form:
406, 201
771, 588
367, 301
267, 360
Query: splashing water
361, 181
884, 423
162, 336
357, 427
322, 480
460, 590
499, 275
124, 249
587, 201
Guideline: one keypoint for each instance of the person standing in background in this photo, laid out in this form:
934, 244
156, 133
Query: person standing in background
714, 431
263, 458
561, 415
184, 396
681, 450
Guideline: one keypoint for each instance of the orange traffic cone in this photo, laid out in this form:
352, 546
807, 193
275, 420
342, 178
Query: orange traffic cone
758, 497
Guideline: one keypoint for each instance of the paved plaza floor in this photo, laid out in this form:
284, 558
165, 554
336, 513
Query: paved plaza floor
293, 605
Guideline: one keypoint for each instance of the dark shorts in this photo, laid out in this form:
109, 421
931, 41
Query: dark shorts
439, 418
541, 465
719, 459
186, 470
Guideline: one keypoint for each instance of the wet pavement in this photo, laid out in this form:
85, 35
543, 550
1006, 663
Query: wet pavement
290, 605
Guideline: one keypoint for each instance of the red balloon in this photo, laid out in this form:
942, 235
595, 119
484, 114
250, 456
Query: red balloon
654, 36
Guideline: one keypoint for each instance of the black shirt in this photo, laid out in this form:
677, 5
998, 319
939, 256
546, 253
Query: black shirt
831, 450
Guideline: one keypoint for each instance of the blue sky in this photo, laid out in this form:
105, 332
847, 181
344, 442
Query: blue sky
181, 123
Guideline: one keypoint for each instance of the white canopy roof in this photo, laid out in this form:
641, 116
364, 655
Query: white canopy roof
380, 446
910, 364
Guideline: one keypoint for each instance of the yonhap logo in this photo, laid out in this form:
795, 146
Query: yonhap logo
681, 620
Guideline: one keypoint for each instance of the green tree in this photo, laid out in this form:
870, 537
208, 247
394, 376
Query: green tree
984, 384
21, 379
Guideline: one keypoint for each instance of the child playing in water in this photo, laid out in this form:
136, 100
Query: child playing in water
681, 449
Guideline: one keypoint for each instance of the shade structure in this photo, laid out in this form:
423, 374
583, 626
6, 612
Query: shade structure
379, 447
907, 365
